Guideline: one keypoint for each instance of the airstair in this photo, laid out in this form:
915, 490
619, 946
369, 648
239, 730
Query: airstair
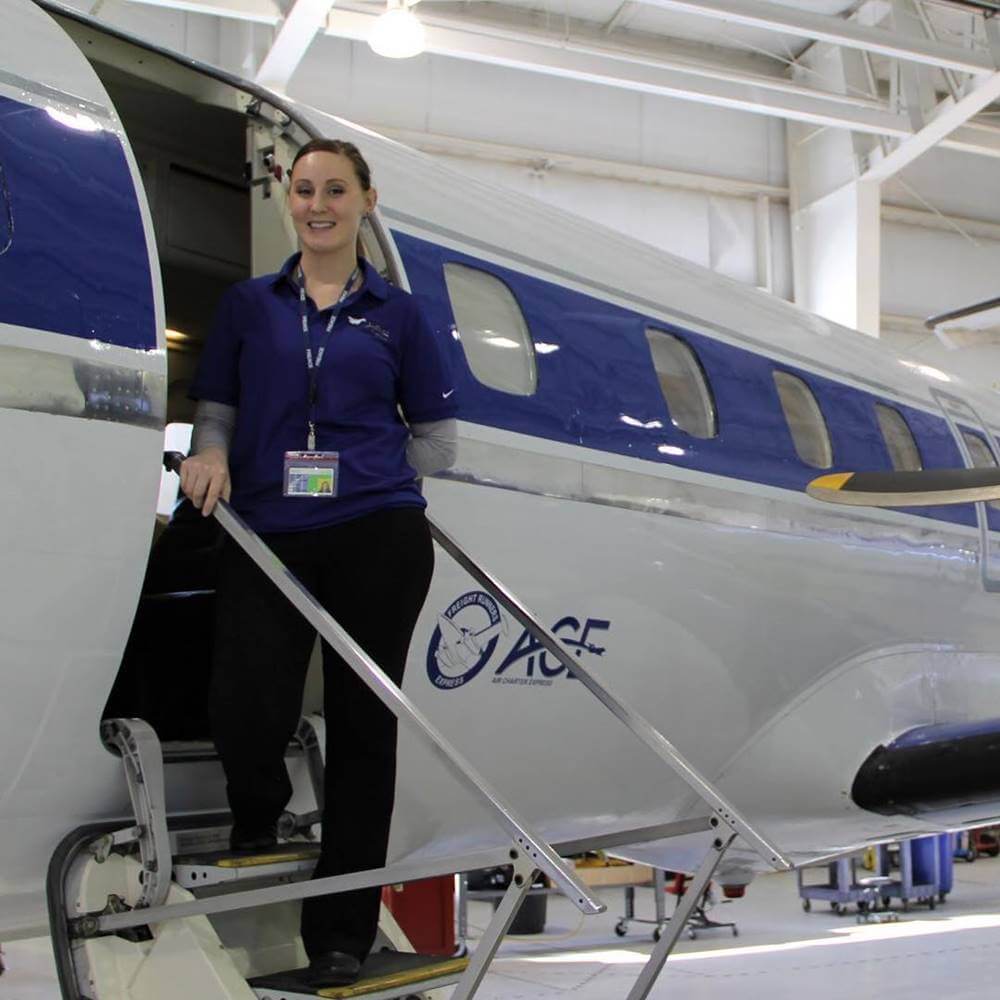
384, 976
176, 886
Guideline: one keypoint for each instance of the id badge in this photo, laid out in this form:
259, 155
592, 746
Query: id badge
311, 473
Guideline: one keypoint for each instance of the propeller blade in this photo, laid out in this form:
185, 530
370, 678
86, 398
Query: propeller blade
927, 488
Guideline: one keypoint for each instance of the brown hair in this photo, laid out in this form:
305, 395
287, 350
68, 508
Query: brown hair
342, 148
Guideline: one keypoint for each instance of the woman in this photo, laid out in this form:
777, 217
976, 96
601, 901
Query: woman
300, 389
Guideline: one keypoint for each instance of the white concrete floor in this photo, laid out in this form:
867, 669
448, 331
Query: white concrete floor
781, 952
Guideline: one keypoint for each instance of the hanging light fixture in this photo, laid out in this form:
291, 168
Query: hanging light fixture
397, 34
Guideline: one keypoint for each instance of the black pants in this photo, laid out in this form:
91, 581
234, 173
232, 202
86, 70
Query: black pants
372, 574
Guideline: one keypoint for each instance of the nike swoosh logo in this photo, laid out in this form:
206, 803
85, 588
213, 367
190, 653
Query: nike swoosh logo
355, 322
445, 395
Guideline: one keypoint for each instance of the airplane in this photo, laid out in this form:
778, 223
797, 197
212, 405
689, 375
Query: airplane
637, 435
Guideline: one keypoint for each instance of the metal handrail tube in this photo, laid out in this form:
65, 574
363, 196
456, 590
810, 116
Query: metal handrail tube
643, 729
401, 706
108, 923
978, 307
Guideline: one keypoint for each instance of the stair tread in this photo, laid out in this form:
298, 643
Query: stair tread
381, 971
229, 859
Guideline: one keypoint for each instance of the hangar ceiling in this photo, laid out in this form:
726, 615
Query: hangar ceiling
925, 70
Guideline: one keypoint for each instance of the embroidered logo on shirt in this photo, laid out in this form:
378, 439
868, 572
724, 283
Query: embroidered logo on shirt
445, 395
373, 328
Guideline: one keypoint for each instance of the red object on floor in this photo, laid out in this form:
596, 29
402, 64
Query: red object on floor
677, 885
986, 841
426, 912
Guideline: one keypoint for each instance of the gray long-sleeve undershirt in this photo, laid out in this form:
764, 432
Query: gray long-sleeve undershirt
433, 445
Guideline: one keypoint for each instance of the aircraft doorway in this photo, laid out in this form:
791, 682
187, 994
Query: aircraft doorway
191, 157
214, 161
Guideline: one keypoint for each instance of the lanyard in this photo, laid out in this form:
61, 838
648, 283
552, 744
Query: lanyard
311, 364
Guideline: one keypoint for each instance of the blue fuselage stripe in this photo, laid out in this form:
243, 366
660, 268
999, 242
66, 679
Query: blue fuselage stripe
597, 388
76, 261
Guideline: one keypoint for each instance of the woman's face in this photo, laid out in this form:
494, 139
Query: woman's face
327, 202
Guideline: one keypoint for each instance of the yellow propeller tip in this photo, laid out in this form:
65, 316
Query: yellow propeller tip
835, 481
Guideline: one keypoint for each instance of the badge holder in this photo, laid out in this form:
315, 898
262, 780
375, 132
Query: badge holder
313, 474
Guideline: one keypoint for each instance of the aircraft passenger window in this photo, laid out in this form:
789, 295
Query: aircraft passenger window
982, 457
683, 383
493, 333
805, 421
898, 439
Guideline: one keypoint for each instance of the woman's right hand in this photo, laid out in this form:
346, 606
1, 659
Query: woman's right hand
205, 477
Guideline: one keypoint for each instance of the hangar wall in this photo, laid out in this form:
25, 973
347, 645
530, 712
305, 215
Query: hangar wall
556, 118
945, 253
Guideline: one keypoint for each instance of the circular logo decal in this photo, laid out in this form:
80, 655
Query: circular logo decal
465, 637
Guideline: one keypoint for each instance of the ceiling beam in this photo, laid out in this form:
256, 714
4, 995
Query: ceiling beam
519, 24
950, 116
710, 85
716, 85
823, 28
586, 166
294, 37
259, 11
621, 16
521, 41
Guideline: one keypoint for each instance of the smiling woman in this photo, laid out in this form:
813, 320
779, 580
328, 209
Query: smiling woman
331, 193
342, 371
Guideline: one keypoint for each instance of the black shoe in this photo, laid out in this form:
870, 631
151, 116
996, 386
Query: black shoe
332, 968
258, 841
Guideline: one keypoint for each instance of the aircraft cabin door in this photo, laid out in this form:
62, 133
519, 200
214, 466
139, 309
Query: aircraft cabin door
978, 448
82, 400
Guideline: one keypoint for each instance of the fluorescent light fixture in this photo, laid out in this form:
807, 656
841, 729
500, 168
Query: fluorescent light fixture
397, 34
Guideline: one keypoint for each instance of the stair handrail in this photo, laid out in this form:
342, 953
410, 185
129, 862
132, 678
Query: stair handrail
392, 696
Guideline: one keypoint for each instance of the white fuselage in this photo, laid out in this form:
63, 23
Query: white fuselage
773, 640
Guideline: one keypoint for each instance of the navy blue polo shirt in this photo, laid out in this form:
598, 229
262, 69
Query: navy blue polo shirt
381, 356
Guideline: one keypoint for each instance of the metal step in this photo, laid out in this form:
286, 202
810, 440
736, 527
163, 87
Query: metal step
286, 861
386, 975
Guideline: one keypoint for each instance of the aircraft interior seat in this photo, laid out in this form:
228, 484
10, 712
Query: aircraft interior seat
160, 679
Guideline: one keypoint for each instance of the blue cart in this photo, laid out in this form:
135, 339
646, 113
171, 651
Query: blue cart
925, 876
925, 871
842, 887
